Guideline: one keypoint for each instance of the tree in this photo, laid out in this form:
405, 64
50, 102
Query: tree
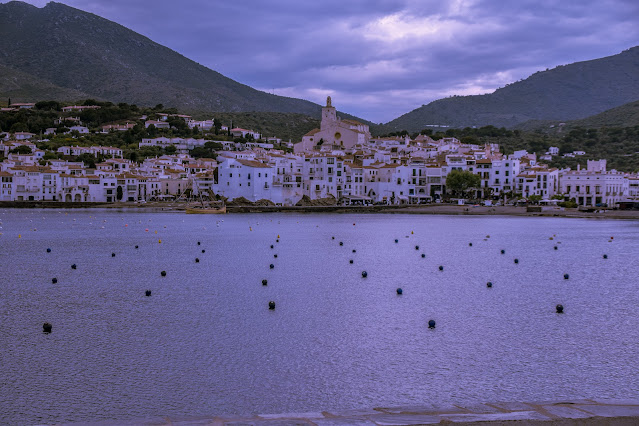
170, 149
22, 150
461, 182
119, 193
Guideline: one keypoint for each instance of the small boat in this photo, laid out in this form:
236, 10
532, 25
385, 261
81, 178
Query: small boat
205, 210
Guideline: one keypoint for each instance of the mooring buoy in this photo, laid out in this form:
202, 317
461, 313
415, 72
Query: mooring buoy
271, 305
400, 291
46, 327
431, 324
560, 309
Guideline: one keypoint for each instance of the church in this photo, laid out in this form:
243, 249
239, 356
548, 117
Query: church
334, 133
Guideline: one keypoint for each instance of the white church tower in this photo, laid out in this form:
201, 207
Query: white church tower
329, 115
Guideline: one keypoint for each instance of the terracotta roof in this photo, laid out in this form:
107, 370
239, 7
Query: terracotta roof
255, 164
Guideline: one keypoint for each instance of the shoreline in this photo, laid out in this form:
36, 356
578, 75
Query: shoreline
432, 209
582, 412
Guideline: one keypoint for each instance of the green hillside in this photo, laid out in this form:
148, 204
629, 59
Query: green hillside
564, 93
72, 51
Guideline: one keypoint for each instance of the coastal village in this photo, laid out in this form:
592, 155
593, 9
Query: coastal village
338, 164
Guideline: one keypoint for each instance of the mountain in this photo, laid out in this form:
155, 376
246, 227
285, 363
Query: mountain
64, 53
568, 92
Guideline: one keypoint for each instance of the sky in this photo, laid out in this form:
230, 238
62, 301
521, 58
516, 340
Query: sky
378, 59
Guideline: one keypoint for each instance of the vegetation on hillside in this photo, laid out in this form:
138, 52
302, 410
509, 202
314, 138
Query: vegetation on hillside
567, 92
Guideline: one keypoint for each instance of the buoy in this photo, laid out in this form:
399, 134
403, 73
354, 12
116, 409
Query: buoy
277, 241
350, 261
54, 280
272, 266
203, 251
48, 250
470, 244
400, 291
431, 324
19, 235
612, 238
198, 243
112, 254
275, 256
136, 246
46, 327
341, 243
264, 282
416, 247
487, 236
555, 247
605, 256
560, 309
503, 252
271, 305
489, 284
197, 260
278, 235
516, 260
441, 268
147, 293
423, 255
354, 251
411, 232
396, 240
364, 274
332, 238
566, 276
159, 241
73, 266
271, 245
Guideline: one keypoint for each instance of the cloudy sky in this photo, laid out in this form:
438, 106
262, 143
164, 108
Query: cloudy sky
379, 59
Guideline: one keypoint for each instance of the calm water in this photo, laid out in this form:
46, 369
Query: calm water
205, 342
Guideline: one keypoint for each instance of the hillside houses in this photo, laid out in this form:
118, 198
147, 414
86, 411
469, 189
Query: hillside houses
340, 162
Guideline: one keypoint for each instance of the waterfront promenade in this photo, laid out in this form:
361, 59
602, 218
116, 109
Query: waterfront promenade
585, 412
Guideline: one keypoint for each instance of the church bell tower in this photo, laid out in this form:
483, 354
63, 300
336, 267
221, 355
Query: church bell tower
329, 115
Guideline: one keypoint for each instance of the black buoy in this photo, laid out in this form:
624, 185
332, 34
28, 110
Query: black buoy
470, 244
203, 251
112, 254
271, 245
46, 327
354, 251
489, 284
73, 266
275, 256
271, 305
423, 255
48, 250
197, 260
516, 260
272, 266
431, 324
147, 293
566, 276
136, 246
54, 280
441, 268
416, 247
555, 247
198, 243
605, 256
560, 309
341, 243
364, 274
163, 273
350, 261
396, 240
332, 238
277, 241
503, 252
264, 282
400, 291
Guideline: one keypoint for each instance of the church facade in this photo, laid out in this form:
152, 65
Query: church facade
333, 133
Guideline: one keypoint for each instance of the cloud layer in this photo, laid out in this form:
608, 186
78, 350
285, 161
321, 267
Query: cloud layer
379, 59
